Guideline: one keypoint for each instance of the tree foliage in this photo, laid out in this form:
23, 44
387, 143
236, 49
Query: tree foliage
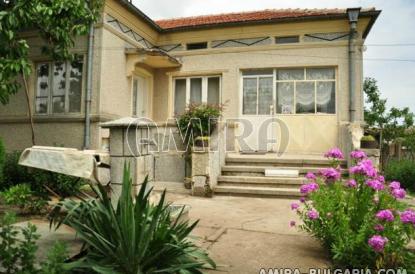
57, 22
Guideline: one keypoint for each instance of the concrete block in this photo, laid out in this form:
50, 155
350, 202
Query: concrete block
200, 163
169, 167
116, 142
200, 187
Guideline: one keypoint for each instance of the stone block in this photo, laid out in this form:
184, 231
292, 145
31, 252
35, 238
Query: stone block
169, 167
200, 186
117, 142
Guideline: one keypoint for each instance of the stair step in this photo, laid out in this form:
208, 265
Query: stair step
280, 162
255, 181
264, 192
249, 170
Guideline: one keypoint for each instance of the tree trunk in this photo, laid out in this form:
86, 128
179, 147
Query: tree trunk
32, 127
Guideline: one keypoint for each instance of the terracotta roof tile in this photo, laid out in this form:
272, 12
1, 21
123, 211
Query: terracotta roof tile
263, 15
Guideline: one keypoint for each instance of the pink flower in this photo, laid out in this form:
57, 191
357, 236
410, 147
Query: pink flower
313, 214
408, 216
308, 188
330, 174
351, 183
377, 242
310, 176
380, 178
334, 153
364, 167
292, 223
398, 193
358, 155
375, 184
379, 227
395, 185
294, 206
302, 200
385, 215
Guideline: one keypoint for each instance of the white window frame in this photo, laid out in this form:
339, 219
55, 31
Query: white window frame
205, 80
274, 93
67, 84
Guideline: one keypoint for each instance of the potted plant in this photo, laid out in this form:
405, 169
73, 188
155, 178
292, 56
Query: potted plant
368, 141
202, 141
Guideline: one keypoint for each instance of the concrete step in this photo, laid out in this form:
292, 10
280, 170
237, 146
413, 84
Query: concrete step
252, 170
263, 192
255, 181
258, 160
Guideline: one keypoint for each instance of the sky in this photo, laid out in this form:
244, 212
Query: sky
392, 37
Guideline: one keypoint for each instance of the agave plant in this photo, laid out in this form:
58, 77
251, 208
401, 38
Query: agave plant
135, 237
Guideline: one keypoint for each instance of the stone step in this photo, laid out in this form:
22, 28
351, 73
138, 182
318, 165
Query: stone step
264, 192
278, 162
261, 181
249, 170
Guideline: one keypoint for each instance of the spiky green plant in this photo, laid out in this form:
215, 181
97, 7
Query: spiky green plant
136, 237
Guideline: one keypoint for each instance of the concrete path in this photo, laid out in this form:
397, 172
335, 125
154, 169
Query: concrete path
244, 235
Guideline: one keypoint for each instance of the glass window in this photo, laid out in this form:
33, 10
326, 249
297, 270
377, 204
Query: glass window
305, 101
265, 95
135, 95
287, 39
59, 85
213, 90
285, 97
180, 96
195, 90
290, 74
250, 96
326, 97
320, 74
256, 72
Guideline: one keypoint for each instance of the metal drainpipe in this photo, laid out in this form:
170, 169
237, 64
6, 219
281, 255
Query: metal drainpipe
87, 133
353, 14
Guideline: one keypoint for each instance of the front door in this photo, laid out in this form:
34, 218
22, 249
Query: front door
140, 96
256, 128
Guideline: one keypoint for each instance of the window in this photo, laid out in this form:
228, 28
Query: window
59, 87
287, 39
195, 46
306, 90
297, 91
196, 90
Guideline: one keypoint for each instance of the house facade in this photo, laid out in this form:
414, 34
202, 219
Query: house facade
302, 67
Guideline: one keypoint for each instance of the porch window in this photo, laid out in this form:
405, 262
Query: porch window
59, 87
196, 90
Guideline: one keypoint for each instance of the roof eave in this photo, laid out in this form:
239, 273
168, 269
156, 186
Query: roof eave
130, 6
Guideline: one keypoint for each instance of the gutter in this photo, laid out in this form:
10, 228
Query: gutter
88, 96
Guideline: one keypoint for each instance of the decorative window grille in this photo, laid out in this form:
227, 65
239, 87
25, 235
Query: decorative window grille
247, 42
333, 36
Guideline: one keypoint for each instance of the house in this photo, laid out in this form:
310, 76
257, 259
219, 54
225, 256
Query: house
301, 66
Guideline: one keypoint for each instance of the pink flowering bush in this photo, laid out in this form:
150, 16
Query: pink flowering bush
360, 219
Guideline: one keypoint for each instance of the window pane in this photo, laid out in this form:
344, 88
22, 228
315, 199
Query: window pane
320, 73
290, 74
326, 97
285, 98
135, 90
42, 80
41, 105
58, 104
287, 39
305, 101
249, 96
180, 96
59, 79
264, 95
255, 72
75, 86
213, 90
196, 90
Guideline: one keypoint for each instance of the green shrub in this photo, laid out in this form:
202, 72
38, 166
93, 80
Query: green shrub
135, 237
200, 120
360, 220
23, 197
15, 174
17, 254
402, 171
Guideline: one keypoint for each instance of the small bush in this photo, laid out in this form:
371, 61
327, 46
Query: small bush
2, 159
17, 255
402, 171
361, 220
23, 197
15, 174
200, 120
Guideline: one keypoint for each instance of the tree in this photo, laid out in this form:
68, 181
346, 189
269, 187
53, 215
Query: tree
57, 22
392, 124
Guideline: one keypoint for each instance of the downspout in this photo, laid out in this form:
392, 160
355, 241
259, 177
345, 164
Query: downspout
353, 14
88, 97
